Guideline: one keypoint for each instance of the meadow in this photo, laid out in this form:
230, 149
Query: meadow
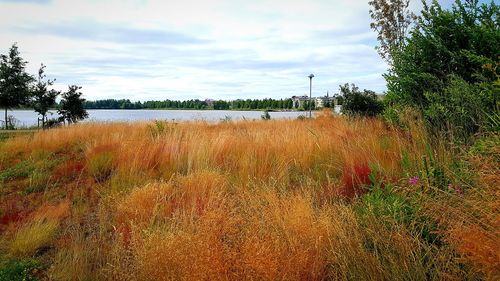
330, 198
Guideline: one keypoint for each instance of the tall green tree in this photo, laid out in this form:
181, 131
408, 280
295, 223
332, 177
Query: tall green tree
450, 50
71, 106
391, 19
14, 81
459, 42
355, 102
43, 98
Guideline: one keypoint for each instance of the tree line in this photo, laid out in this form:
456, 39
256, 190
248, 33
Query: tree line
248, 104
21, 89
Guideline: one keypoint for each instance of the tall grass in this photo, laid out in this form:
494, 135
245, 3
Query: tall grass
250, 200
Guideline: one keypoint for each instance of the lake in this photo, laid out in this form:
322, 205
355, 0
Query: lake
27, 118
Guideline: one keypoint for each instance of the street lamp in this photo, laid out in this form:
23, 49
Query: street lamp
310, 93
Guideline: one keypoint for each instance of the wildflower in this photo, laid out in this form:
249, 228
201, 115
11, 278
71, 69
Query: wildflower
414, 180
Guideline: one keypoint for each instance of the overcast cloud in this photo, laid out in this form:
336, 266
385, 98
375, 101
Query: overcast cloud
223, 49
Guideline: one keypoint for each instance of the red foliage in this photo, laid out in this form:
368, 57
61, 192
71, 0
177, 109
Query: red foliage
354, 179
13, 215
69, 170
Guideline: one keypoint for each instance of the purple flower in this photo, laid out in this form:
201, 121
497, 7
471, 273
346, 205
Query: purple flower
414, 180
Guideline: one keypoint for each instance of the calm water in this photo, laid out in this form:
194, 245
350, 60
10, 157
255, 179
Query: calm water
26, 118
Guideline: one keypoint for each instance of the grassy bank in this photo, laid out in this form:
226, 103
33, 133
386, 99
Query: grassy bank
328, 198
6, 134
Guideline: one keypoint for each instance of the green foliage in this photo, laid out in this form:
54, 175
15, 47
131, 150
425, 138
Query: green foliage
391, 117
458, 108
36, 169
385, 204
356, 102
101, 166
14, 81
38, 181
448, 68
21, 170
434, 170
159, 128
240, 104
71, 106
24, 270
43, 98
487, 146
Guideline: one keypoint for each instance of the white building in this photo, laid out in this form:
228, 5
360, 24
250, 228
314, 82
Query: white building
319, 102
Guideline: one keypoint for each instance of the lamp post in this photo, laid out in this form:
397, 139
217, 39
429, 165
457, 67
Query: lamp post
310, 94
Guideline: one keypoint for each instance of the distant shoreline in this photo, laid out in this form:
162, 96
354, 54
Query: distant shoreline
177, 109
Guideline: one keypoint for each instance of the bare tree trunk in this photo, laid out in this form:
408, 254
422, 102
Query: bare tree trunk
6, 124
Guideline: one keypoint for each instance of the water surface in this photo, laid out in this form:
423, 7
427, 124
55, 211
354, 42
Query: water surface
27, 118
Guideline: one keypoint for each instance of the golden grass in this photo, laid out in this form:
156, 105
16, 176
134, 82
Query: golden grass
33, 237
250, 200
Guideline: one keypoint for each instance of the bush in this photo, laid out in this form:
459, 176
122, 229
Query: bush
19, 270
449, 68
459, 109
52, 123
355, 102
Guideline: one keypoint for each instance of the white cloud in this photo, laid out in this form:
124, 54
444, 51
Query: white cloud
157, 49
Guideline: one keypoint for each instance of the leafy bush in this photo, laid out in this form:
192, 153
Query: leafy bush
448, 68
52, 123
355, 102
385, 204
459, 109
20, 270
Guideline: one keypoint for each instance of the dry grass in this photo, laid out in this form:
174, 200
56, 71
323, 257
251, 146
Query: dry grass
34, 237
274, 200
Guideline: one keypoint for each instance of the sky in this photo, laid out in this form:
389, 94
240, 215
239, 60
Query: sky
196, 49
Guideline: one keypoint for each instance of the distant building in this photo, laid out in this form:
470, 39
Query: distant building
319, 102
299, 101
210, 102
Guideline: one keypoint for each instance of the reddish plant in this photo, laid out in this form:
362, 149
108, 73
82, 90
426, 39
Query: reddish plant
69, 170
11, 216
354, 179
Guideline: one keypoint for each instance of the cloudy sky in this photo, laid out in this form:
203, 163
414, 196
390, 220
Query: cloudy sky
183, 49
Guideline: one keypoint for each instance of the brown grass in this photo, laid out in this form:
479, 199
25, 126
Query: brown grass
251, 200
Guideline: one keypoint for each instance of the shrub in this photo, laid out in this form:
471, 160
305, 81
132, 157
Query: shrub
448, 68
20, 270
355, 102
459, 109
385, 204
